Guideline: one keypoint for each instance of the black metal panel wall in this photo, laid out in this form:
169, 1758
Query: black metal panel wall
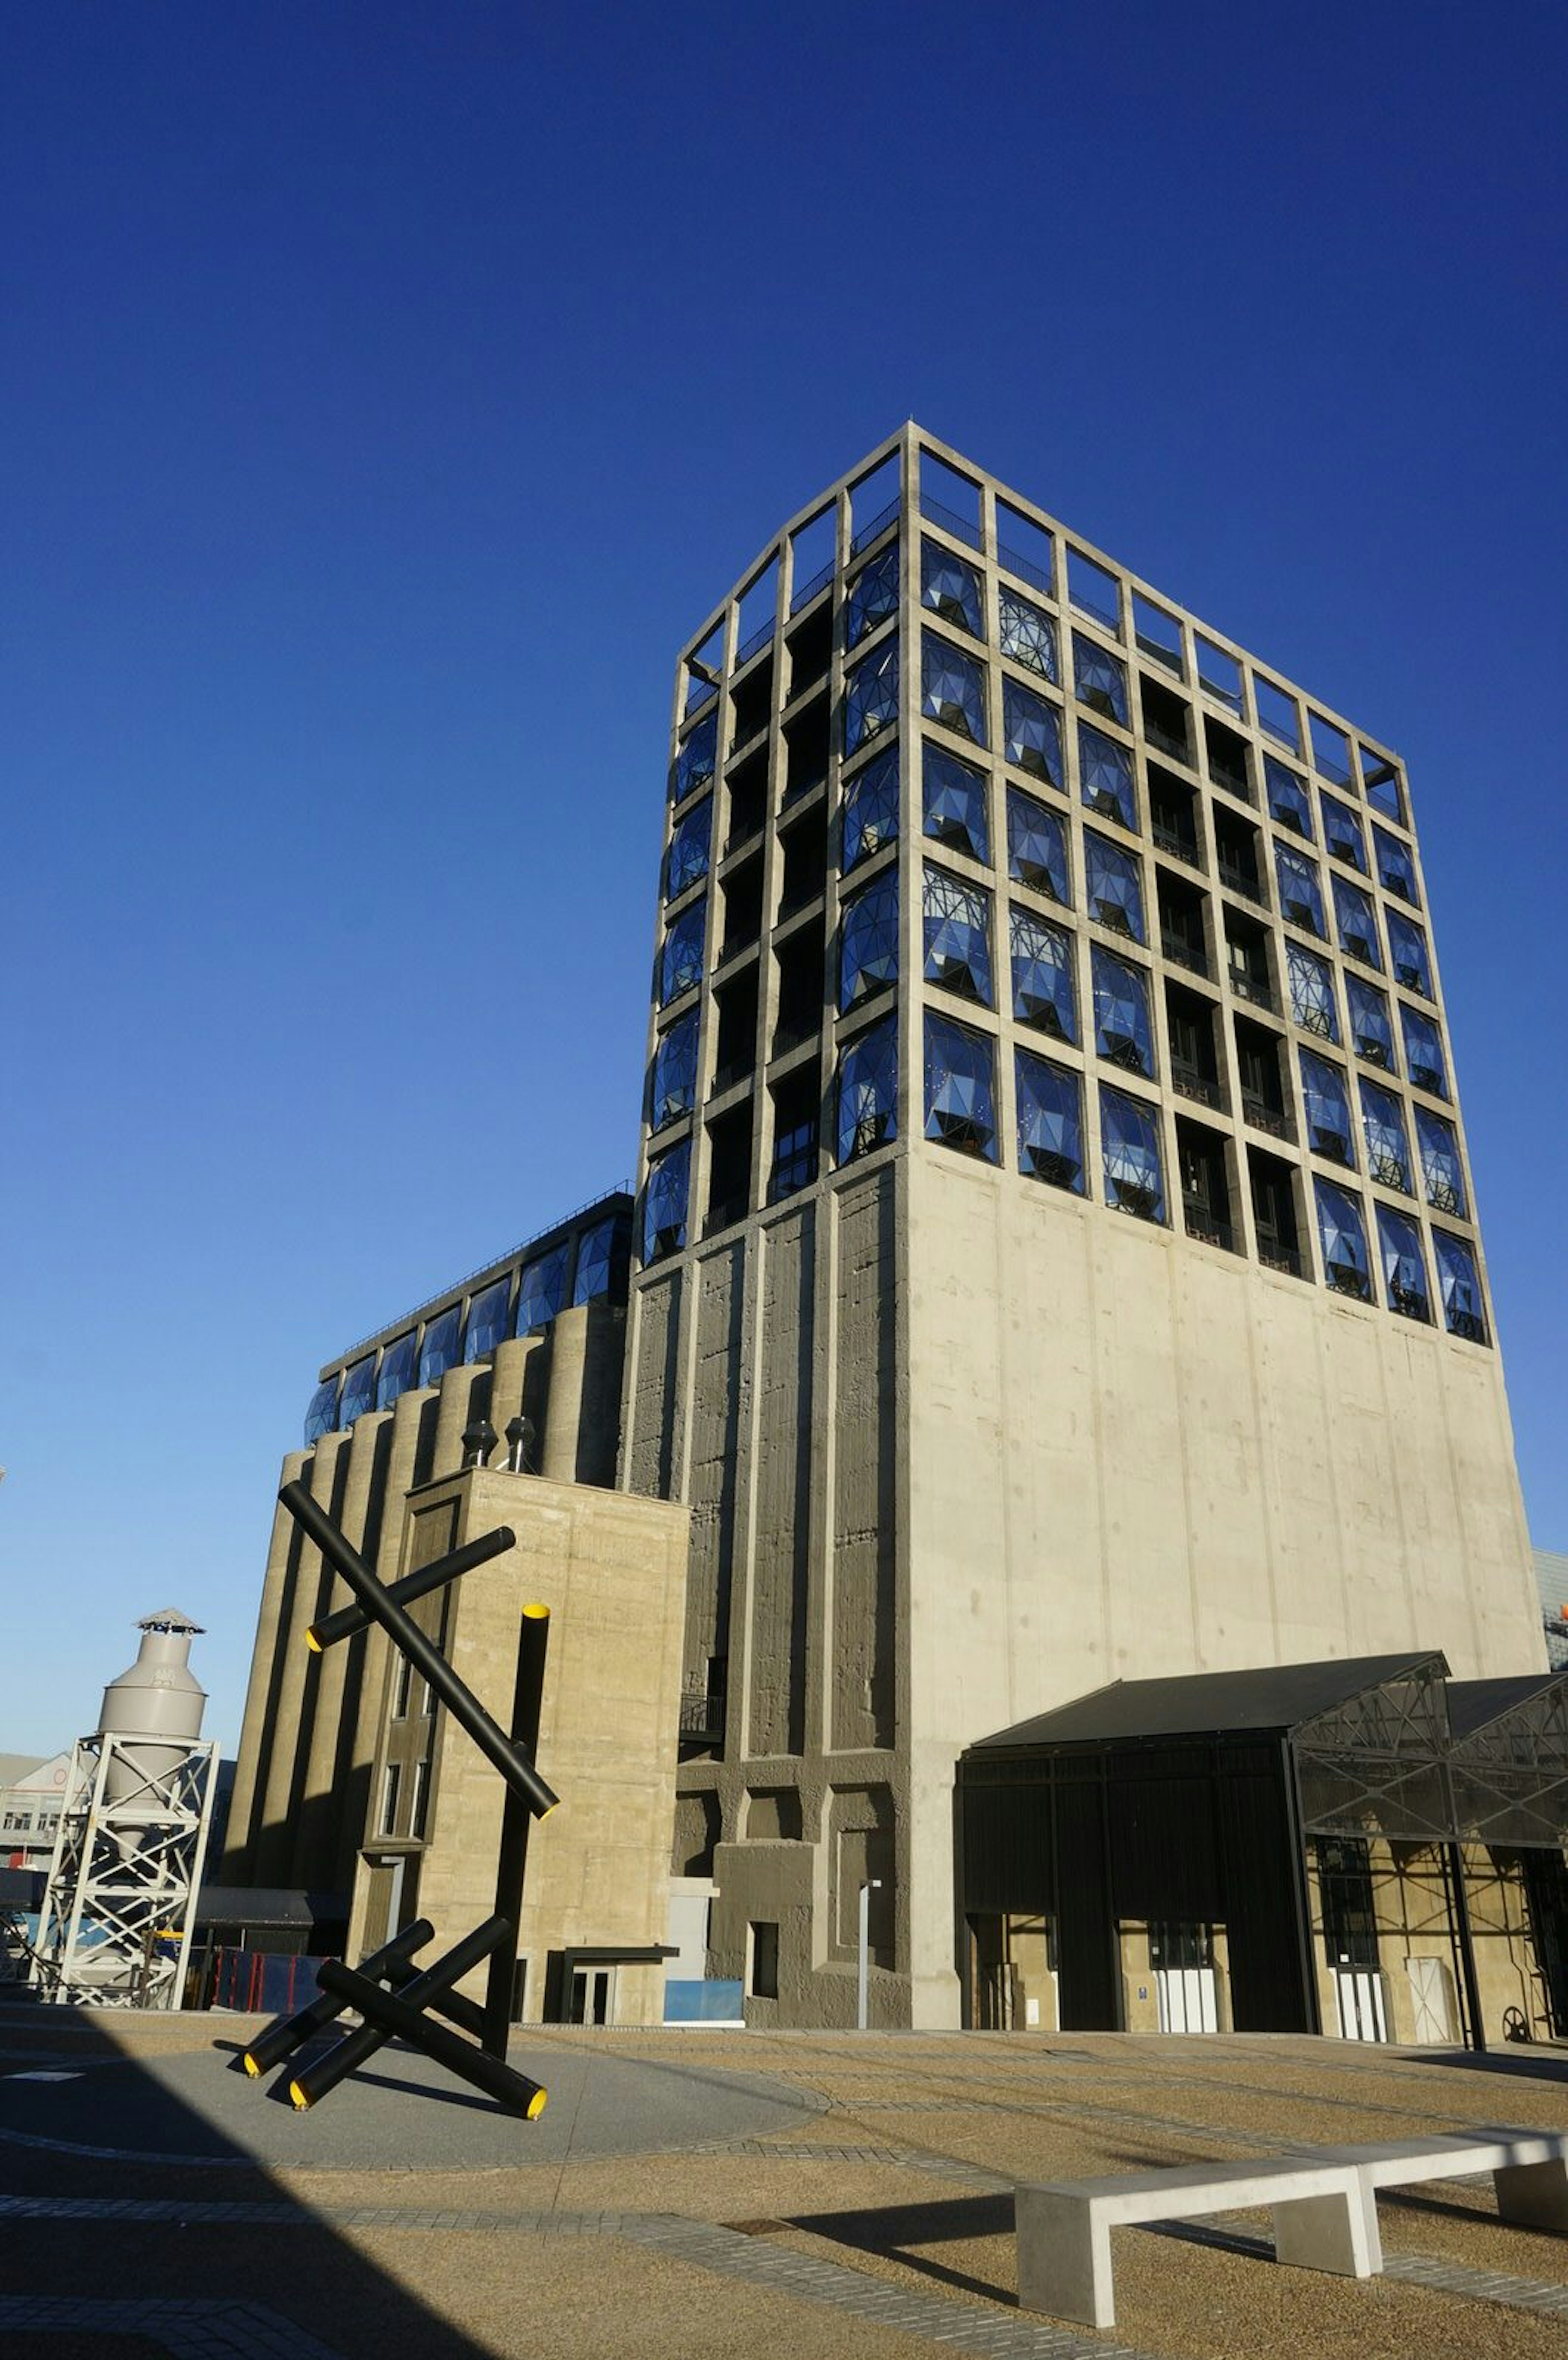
1088, 1981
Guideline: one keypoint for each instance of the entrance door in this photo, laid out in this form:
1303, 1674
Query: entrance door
1359, 1994
1429, 1993
592, 1996
1182, 1960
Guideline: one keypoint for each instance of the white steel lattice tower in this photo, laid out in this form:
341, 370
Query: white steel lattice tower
116, 1923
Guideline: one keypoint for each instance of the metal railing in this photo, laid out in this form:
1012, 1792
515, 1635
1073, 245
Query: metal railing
1184, 953
702, 1715
950, 521
1255, 987
1182, 848
733, 1070
1276, 1254
804, 593
1202, 1223
753, 645
1242, 880
1024, 568
787, 1038
1167, 740
877, 526
1234, 783
1262, 1116
1196, 1086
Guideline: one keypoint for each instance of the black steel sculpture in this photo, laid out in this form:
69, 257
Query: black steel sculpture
395, 1999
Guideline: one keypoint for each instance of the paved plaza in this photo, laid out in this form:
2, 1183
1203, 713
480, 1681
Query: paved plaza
698, 2194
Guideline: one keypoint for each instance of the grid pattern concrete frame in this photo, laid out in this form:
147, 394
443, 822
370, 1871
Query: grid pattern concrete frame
1270, 708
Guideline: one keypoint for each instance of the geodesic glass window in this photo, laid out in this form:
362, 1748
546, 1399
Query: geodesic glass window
1387, 1149
1050, 1123
1459, 1282
1371, 1026
870, 697
1289, 800
952, 687
872, 597
1343, 1233
951, 588
1113, 885
867, 1092
695, 758
867, 940
1408, 950
1028, 634
1325, 1106
1395, 866
960, 1093
954, 798
958, 935
541, 1289
1031, 732
1099, 680
681, 966
1443, 1175
359, 1390
596, 1258
1043, 990
439, 1349
1036, 847
870, 808
1105, 776
1312, 991
1424, 1060
321, 1417
1300, 893
1122, 1028
689, 849
665, 1203
1342, 832
1129, 1141
1356, 923
487, 1320
674, 1090
1404, 1287
395, 1373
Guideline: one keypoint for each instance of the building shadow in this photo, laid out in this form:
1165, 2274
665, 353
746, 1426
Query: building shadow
1515, 2064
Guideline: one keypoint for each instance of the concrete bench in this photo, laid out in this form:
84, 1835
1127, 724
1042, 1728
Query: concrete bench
1529, 2168
1320, 2209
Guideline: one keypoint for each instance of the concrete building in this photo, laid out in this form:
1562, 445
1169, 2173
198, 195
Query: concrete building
1058, 1254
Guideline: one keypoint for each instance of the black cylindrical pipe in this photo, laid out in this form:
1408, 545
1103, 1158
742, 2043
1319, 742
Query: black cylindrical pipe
290, 2032
511, 1858
356, 2047
465, 2014
391, 2016
347, 1619
466, 1710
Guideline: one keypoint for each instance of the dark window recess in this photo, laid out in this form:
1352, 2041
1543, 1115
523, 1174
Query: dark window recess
1168, 720
1173, 816
754, 703
1236, 856
804, 847
1227, 759
1273, 1212
765, 1958
1205, 1185
1246, 960
1260, 1075
1181, 923
796, 1112
800, 988
805, 750
729, 1167
747, 787
810, 649
736, 1002
1189, 1026
1345, 1884
742, 891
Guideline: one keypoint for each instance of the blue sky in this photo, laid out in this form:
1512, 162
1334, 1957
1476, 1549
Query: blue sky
390, 389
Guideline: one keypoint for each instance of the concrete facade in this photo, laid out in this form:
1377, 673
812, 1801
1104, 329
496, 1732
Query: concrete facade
959, 1444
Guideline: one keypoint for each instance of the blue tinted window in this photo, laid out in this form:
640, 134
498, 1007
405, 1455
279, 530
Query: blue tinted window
1404, 1287
1459, 1282
867, 1092
674, 1088
954, 800
598, 1256
1301, 894
1443, 1175
1387, 1149
870, 697
1028, 634
951, 588
1113, 885
396, 1374
1036, 847
1395, 866
1344, 1236
359, 1390
487, 1320
870, 808
665, 1203
1031, 732
952, 687
1357, 922
695, 759
1424, 1060
1100, 681
1408, 950
960, 1095
872, 597
1121, 1029
1105, 776
1287, 799
1050, 1123
322, 1415
1312, 991
543, 1288
689, 849
1325, 1103
439, 1349
958, 935
868, 952
1043, 992
1371, 1026
1342, 833
1129, 1139
681, 966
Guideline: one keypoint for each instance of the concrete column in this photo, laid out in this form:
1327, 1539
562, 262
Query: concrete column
337, 1693
255, 1738
272, 1852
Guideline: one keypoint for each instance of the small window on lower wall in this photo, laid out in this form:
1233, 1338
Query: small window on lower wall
1129, 1134
1405, 1284
765, 1983
1050, 1123
1459, 1282
960, 1089
1343, 1233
